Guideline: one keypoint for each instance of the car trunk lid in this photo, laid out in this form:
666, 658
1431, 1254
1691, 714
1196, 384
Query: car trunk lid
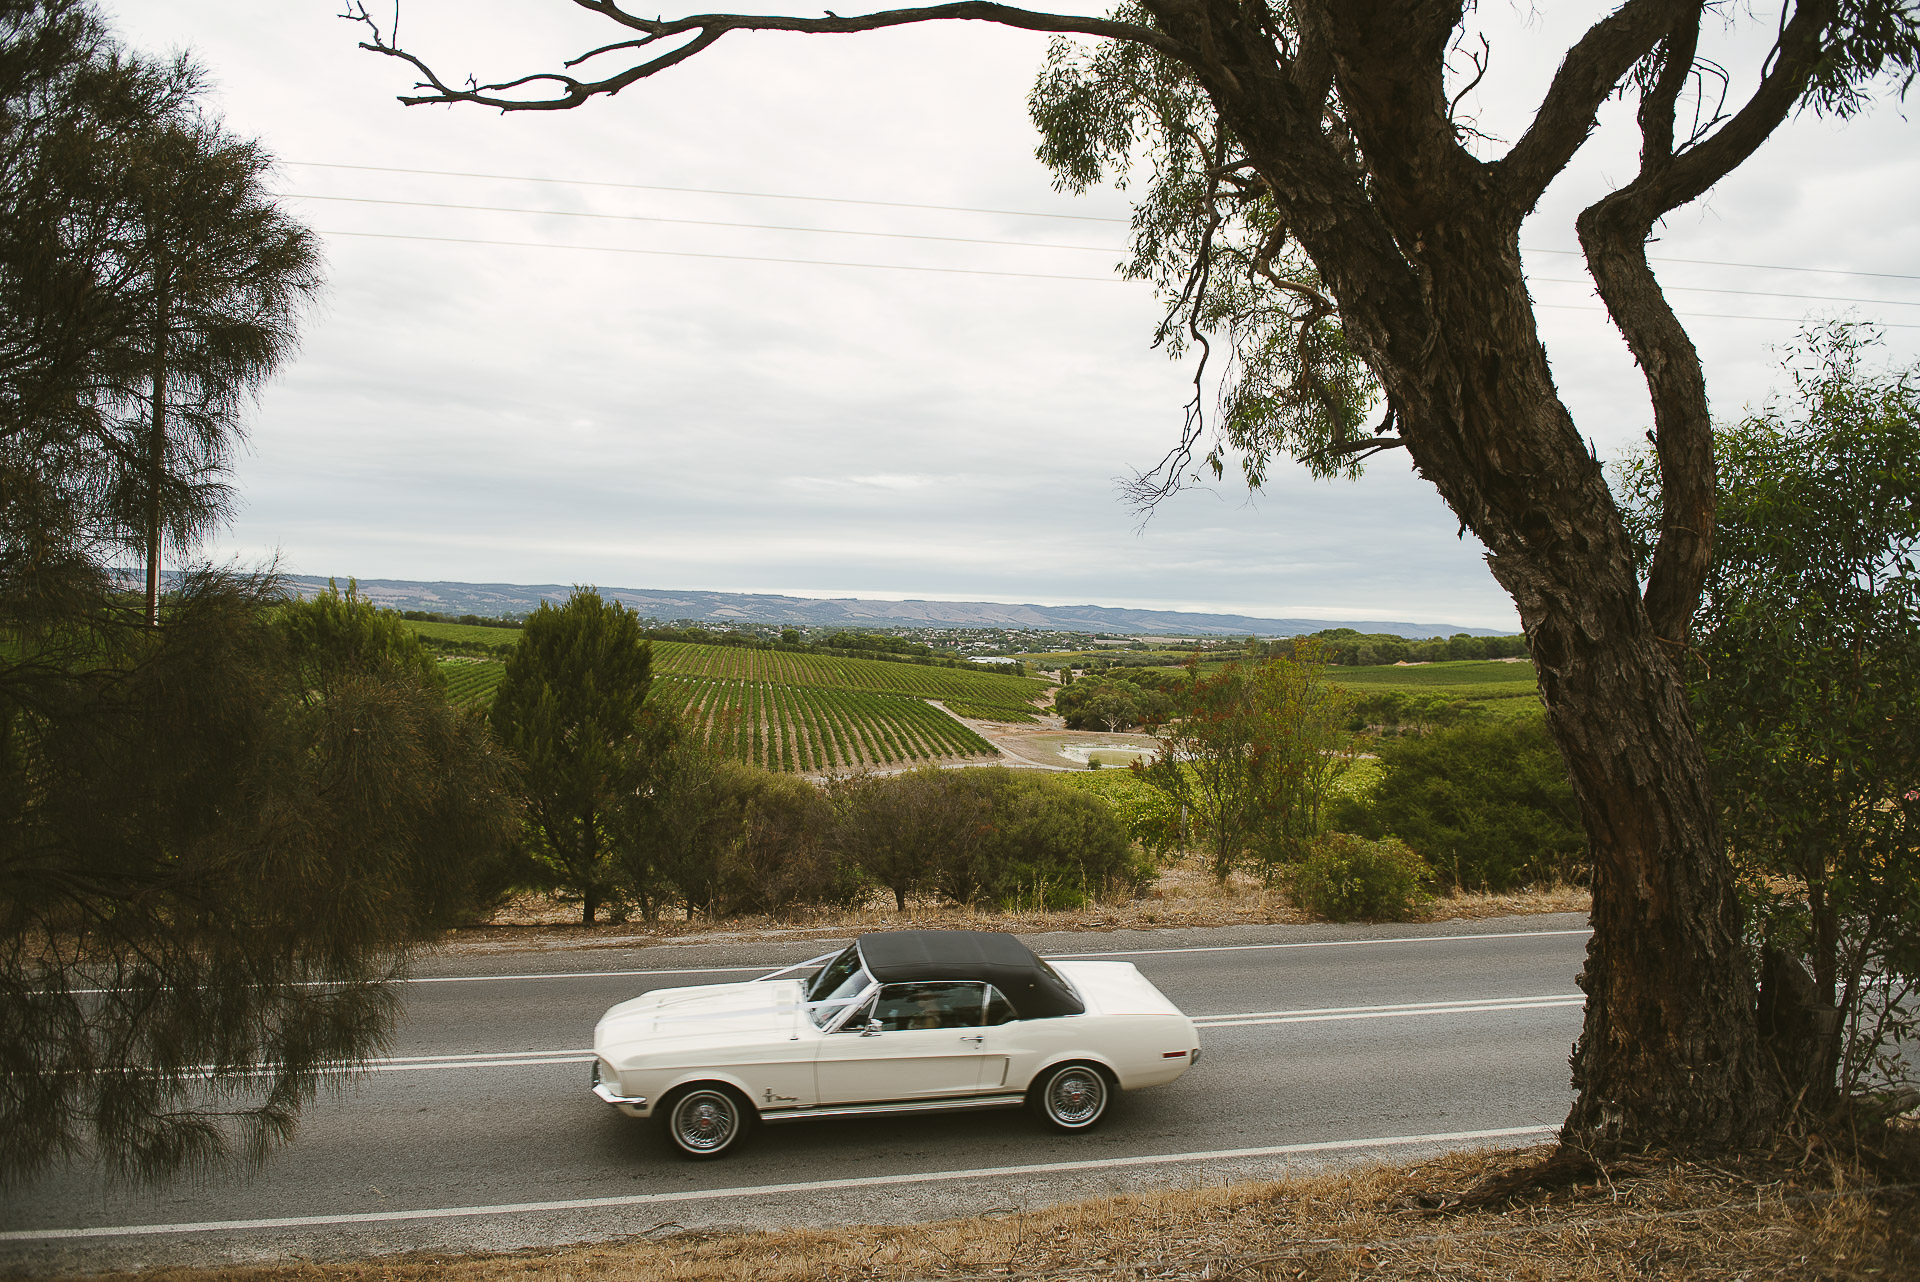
1114, 988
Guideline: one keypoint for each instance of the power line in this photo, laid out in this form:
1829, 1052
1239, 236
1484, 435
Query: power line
966, 240
704, 222
944, 271
1784, 320
736, 258
1762, 267
967, 209
1751, 293
703, 191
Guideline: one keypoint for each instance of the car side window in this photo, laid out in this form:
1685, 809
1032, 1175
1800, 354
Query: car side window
857, 1022
907, 1007
999, 1009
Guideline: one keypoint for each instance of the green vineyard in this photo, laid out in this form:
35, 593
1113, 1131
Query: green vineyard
808, 713
470, 682
989, 696
805, 728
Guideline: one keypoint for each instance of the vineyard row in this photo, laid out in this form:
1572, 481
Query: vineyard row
784, 727
812, 730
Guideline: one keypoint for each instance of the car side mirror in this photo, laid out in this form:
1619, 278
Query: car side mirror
871, 1028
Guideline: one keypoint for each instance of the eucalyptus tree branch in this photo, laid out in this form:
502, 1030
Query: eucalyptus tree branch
1146, 489
1587, 77
1613, 233
1481, 61
704, 30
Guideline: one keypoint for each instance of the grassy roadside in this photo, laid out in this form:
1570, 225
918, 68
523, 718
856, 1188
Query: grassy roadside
1184, 895
1799, 1216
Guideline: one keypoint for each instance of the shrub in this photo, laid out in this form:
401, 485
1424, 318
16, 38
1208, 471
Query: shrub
1487, 804
1036, 843
726, 838
1111, 703
780, 857
1348, 878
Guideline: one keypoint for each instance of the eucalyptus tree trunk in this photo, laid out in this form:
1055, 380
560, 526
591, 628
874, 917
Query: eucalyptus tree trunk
1423, 257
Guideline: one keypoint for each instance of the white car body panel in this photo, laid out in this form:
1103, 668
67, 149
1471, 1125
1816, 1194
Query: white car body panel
759, 1037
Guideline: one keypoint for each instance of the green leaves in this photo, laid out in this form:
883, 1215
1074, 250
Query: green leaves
1805, 673
1252, 756
1208, 235
1487, 804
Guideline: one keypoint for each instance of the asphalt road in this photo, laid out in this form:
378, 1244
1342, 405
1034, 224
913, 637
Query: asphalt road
1322, 1045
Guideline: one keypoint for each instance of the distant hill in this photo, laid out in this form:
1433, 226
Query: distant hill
494, 599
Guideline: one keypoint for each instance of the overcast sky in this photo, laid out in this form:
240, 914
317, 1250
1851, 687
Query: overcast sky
692, 412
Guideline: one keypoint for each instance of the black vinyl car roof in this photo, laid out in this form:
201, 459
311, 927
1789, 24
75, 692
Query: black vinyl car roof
992, 956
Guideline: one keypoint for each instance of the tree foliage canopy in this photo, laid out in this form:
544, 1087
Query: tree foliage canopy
572, 706
1251, 755
211, 869
149, 285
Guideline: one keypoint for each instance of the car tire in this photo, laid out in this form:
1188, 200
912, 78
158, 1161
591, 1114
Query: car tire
706, 1120
1071, 1097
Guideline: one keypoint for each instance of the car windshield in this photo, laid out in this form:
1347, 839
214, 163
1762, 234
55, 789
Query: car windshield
844, 979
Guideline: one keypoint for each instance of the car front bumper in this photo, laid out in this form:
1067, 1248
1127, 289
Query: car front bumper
632, 1105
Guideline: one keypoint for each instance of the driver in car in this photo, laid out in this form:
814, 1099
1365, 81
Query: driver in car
929, 1014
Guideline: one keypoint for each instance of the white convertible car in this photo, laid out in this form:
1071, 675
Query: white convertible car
900, 1022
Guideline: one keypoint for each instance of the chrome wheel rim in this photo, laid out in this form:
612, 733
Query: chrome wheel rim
705, 1121
1076, 1097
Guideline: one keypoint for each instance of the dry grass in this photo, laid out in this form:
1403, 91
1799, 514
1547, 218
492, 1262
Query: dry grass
1751, 1219
1185, 895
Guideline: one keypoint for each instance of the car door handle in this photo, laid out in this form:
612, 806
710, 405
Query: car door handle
975, 1038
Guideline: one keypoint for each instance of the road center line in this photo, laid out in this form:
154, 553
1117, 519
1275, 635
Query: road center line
1324, 943
1467, 1006
766, 1190
1131, 952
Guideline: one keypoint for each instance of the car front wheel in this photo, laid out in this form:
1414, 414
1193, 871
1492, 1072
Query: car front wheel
1072, 1097
706, 1121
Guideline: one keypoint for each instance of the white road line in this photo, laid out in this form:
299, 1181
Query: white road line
1325, 943
1218, 1022
381, 1066
1410, 1007
1132, 952
1322, 1014
767, 1190
429, 1061
585, 974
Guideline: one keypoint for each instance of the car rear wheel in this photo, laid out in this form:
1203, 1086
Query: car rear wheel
1071, 1097
706, 1121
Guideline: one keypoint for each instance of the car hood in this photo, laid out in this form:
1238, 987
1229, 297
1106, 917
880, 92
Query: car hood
707, 1014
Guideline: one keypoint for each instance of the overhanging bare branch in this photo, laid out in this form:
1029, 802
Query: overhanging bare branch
703, 30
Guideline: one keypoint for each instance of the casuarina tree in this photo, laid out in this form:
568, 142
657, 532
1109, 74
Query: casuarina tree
1318, 208
222, 836
213, 276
